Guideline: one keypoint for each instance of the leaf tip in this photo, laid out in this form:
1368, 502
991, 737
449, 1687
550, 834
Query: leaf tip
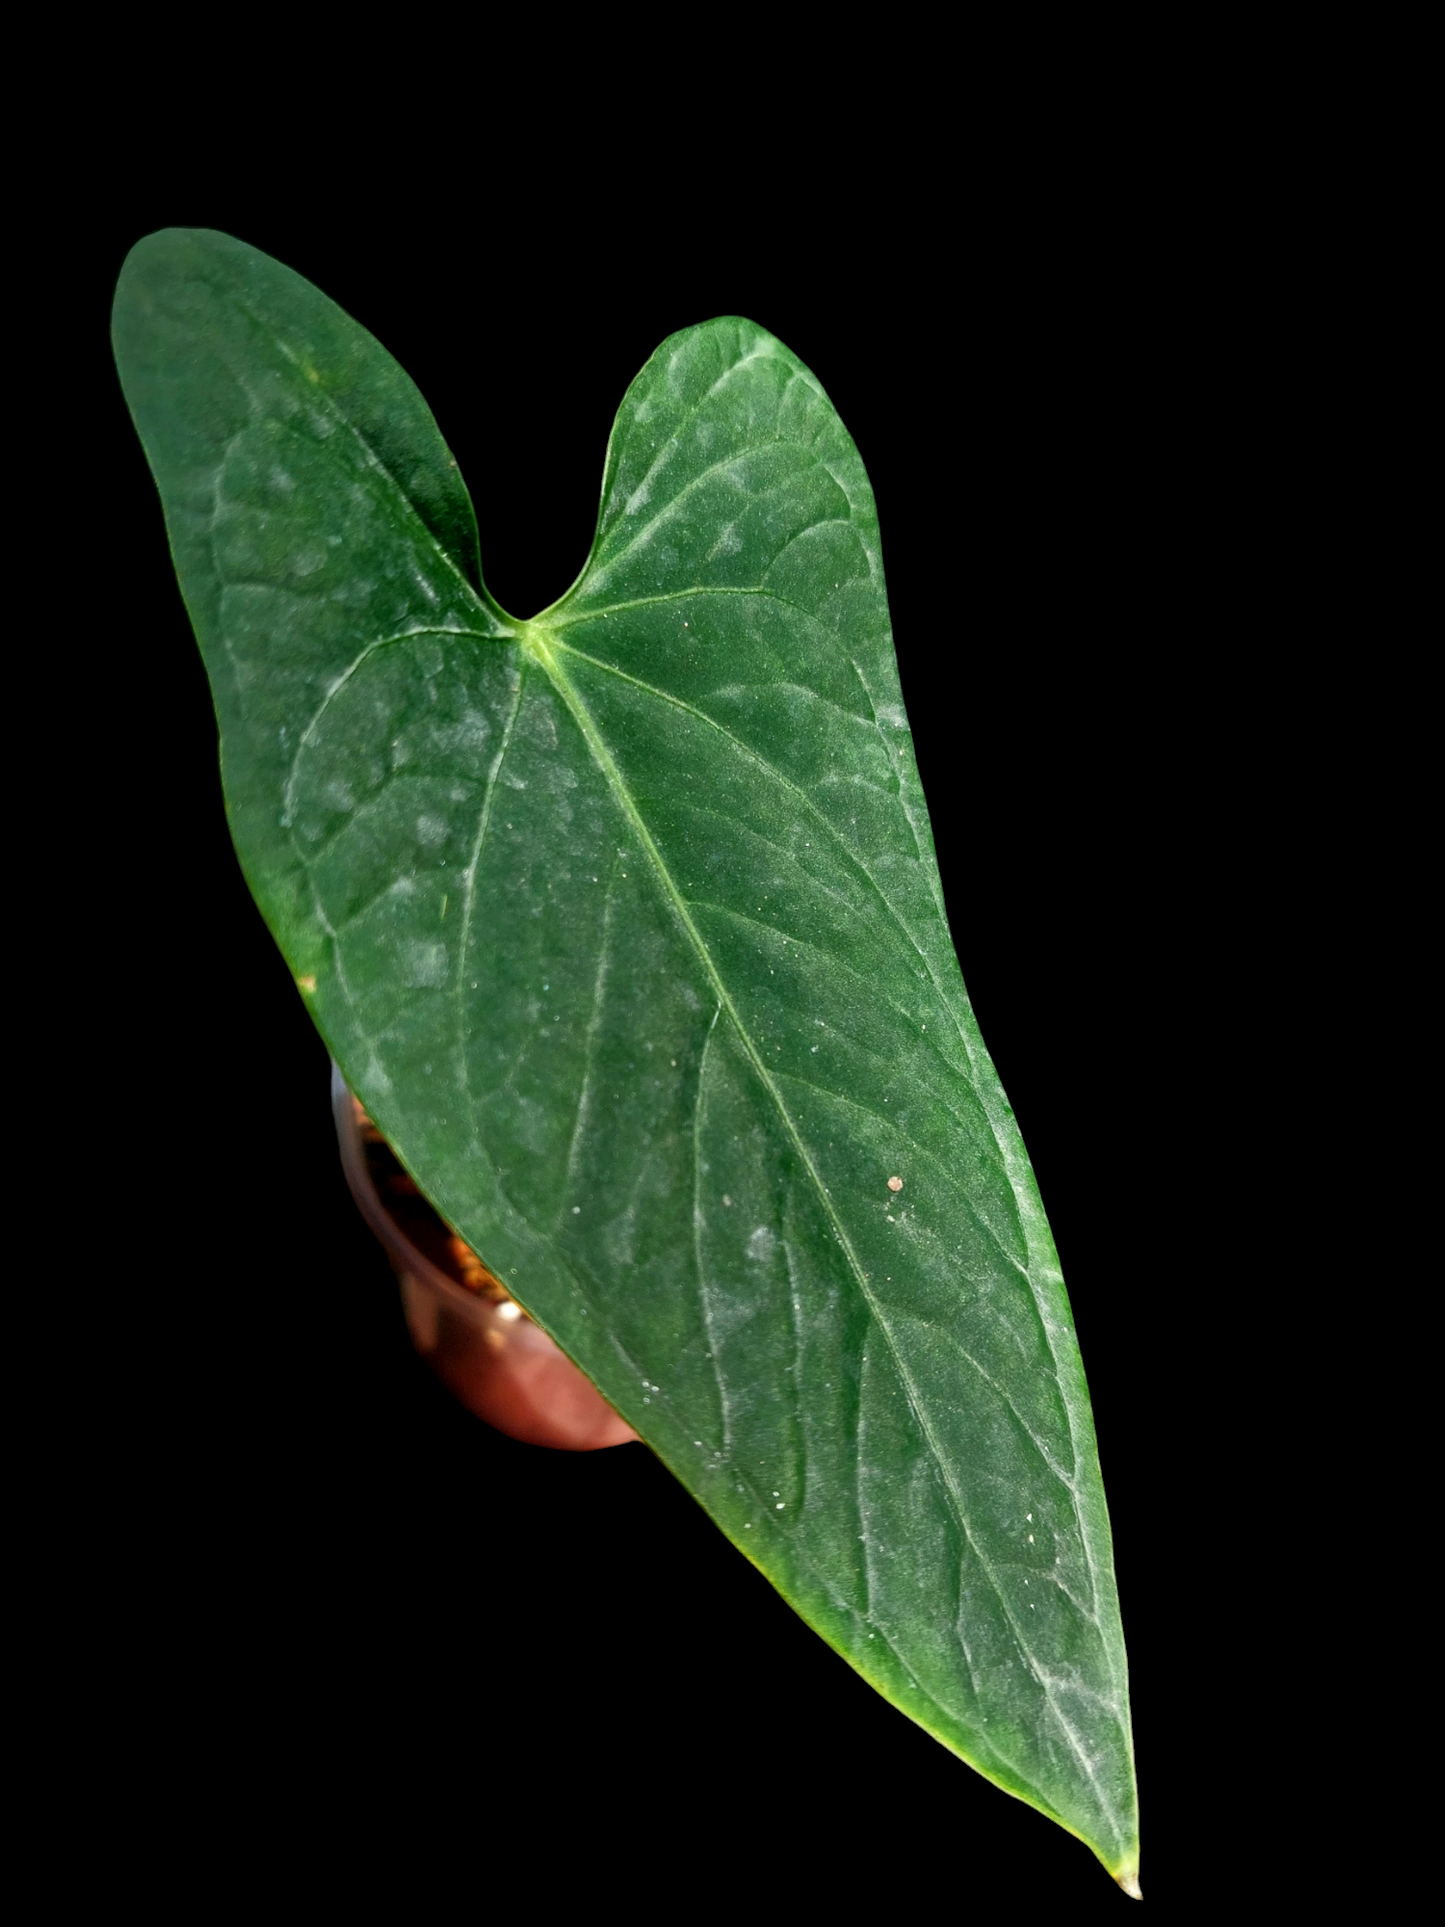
1128, 1879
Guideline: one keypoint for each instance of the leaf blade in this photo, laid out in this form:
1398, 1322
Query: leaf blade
697, 1002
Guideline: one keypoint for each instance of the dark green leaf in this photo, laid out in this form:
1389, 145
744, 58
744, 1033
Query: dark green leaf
625, 924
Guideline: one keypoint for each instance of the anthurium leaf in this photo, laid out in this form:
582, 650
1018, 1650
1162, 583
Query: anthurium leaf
624, 923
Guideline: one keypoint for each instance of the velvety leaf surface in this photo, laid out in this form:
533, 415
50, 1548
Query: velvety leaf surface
625, 924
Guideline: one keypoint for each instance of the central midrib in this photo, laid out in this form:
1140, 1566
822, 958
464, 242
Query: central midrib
536, 640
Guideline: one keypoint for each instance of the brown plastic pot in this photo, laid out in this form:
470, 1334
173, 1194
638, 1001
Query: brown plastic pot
483, 1348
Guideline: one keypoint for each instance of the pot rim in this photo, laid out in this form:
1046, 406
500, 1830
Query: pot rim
481, 1311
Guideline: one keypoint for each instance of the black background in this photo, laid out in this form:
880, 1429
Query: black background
319, 1609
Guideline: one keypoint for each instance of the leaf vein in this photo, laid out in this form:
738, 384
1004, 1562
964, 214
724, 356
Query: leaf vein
591, 735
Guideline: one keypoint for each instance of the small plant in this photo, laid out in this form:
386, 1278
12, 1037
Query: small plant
623, 923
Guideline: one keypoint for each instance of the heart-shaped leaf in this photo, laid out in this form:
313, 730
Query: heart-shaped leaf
624, 923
